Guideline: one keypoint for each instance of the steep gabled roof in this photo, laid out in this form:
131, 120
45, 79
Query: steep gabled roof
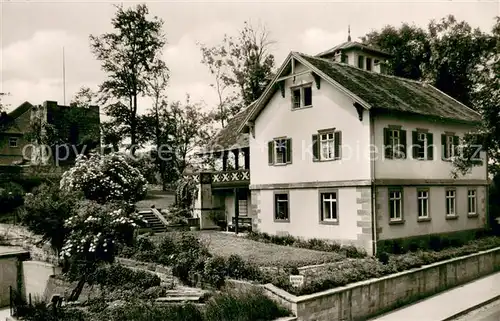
352, 45
229, 137
375, 91
7, 121
392, 93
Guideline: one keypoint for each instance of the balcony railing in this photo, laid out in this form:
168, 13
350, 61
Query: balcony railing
224, 178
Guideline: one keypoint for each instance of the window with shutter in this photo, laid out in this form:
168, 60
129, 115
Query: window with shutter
420, 145
280, 151
394, 143
327, 145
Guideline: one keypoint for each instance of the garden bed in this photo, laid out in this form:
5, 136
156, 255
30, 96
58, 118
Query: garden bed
261, 254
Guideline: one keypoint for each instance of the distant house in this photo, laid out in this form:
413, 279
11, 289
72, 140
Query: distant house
76, 127
335, 149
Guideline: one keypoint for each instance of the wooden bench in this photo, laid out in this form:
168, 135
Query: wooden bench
244, 223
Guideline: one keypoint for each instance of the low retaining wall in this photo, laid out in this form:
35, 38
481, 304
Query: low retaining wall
36, 275
361, 300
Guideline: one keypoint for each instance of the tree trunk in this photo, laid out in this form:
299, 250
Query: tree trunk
133, 127
75, 294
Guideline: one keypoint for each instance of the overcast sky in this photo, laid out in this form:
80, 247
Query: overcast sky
33, 34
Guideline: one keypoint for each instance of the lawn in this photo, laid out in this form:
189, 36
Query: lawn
262, 254
160, 199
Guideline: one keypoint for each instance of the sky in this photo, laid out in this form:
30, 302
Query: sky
33, 34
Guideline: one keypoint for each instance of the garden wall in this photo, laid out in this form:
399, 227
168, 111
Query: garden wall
365, 299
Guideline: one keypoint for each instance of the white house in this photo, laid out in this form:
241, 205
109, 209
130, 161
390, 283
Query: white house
341, 151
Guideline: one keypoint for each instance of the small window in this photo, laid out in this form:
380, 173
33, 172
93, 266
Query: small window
361, 62
376, 61
13, 142
450, 203
329, 208
302, 96
395, 205
395, 143
344, 58
296, 98
280, 151
423, 204
472, 202
368, 64
327, 146
281, 208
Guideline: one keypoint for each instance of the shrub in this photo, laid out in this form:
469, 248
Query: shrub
247, 306
105, 178
45, 212
435, 243
11, 197
119, 276
383, 257
215, 271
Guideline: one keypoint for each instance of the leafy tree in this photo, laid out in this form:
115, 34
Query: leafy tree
408, 45
127, 56
96, 231
105, 178
191, 129
241, 64
45, 211
446, 54
156, 123
487, 100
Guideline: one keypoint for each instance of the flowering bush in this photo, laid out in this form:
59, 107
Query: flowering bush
96, 230
105, 178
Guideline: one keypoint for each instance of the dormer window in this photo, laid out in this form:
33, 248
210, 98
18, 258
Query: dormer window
344, 58
361, 62
302, 96
368, 64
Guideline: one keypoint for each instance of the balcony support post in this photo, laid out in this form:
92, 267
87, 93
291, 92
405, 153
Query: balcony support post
236, 209
224, 161
247, 158
236, 159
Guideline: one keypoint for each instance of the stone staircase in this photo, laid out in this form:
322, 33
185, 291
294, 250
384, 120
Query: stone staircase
183, 294
153, 221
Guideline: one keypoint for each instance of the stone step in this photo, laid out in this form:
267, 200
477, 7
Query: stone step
172, 299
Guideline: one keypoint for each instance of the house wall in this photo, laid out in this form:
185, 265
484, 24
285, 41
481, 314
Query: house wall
354, 221
331, 109
438, 222
419, 169
8, 154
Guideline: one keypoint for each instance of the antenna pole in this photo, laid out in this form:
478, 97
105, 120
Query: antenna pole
64, 78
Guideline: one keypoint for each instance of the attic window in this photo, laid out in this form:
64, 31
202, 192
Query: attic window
344, 58
361, 62
302, 96
368, 64
13, 142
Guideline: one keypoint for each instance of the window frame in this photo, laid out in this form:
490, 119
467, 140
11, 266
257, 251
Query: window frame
368, 62
322, 219
420, 199
301, 89
469, 213
395, 153
361, 62
16, 140
454, 198
283, 151
327, 141
399, 190
275, 206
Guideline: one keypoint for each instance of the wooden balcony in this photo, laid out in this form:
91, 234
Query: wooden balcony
224, 179
240, 177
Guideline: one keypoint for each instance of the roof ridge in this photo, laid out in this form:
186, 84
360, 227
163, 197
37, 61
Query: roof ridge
370, 72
